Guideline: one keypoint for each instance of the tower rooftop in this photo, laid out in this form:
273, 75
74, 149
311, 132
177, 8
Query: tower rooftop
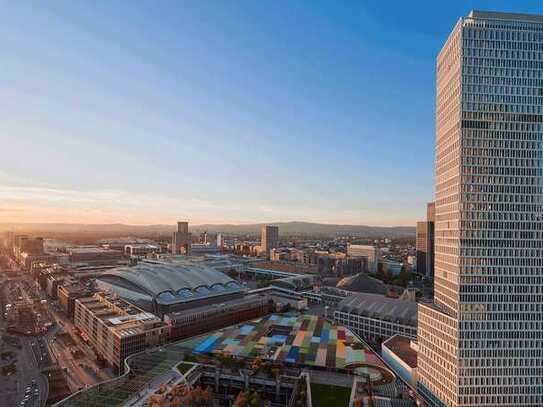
496, 15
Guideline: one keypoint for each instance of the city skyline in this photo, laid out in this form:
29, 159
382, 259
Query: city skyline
150, 114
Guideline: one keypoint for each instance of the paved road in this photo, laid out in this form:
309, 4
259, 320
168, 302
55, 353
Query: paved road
83, 371
27, 386
14, 389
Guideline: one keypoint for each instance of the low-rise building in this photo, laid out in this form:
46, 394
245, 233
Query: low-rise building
400, 353
141, 249
202, 319
376, 318
94, 255
203, 248
391, 267
116, 328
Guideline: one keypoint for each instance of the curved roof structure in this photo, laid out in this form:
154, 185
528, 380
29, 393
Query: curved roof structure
170, 283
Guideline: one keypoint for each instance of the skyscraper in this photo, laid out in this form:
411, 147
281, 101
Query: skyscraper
422, 246
481, 342
430, 237
269, 238
181, 239
425, 242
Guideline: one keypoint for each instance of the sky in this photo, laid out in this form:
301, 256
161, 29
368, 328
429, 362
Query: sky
221, 111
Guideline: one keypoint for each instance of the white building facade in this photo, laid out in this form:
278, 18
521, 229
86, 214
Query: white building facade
372, 253
481, 342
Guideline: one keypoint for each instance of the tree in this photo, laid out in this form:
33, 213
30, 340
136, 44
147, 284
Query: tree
198, 397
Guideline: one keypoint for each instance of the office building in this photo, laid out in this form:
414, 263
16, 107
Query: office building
480, 342
67, 294
430, 238
115, 328
269, 238
422, 246
220, 241
425, 242
181, 239
372, 253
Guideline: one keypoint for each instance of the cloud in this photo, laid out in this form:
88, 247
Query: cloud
55, 204
48, 204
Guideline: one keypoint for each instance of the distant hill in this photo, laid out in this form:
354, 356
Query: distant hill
314, 229
285, 228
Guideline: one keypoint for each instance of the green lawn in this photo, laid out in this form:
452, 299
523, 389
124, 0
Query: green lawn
184, 367
323, 395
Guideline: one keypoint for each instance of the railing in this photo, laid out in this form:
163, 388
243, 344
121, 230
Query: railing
98, 385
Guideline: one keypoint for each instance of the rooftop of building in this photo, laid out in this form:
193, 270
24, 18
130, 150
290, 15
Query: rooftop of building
91, 250
172, 282
121, 317
297, 282
73, 288
401, 347
380, 307
125, 240
495, 15
302, 340
297, 340
363, 283
143, 246
234, 302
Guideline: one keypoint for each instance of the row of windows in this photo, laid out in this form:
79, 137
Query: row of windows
497, 135
470, 51
501, 212
499, 262
500, 80
502, 339
494, 243
500, 289
506, 72
515, 276
503, 35
502, 63
526, 46
480, 98
522, 144
500, 24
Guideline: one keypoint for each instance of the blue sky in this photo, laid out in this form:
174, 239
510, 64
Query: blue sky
221, 111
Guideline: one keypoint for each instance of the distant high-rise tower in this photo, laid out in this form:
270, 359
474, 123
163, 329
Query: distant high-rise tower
481, 342
269, 238
422, 246
220, 240
181, 239
430, 237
